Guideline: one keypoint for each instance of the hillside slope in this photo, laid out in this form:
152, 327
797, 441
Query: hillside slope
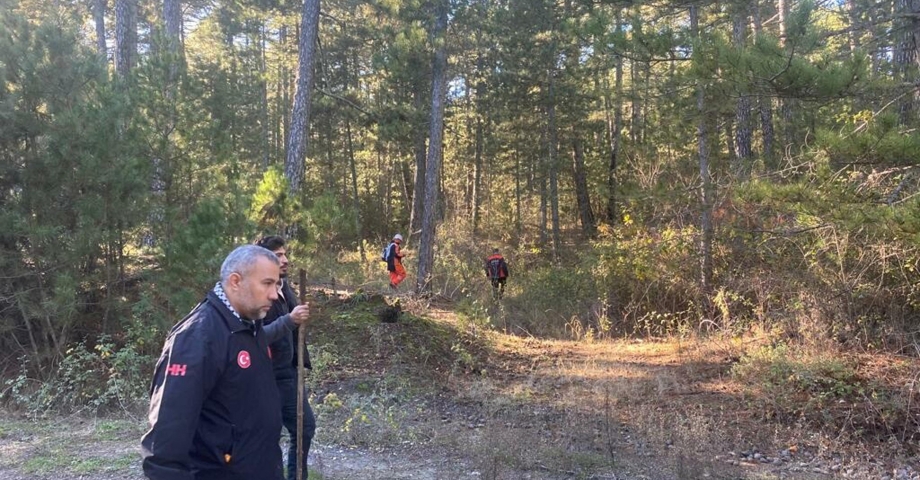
437, 395
437, 385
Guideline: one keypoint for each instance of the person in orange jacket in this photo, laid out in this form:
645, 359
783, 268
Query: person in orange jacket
394, 262
497, 271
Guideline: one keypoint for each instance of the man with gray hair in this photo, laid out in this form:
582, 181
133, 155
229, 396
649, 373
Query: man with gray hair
213, 401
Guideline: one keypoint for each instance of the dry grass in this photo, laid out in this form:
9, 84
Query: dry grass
570, 409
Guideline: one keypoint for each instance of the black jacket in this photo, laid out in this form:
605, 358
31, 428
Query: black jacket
214, 404
284, 351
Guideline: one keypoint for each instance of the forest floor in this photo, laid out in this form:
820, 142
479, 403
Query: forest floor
432, 398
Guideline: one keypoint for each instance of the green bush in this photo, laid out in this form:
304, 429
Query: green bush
101, 378
793, 384
824, 391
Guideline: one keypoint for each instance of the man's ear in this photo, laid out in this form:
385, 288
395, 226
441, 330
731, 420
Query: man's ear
233, 281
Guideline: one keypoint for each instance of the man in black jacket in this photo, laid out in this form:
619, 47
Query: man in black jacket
284, 358
213, 401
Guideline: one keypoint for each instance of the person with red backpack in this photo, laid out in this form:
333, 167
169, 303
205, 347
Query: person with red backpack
497, 271
393, 257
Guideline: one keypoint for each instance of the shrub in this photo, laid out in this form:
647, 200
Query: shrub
826, 391
101, 378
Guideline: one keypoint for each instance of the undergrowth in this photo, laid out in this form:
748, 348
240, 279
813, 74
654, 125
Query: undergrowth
830, 391
102, 378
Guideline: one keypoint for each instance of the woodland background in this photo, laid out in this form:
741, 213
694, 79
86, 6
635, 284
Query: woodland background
648, 168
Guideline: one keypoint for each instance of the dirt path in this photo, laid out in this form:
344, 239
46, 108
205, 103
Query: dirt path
402, 406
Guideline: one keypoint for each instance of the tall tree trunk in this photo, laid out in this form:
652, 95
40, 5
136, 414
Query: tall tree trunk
285, 95
743, 132
385, 184
265, 123
764, 102
418, 195
786, 108
914, 75
879, 55
172, 21
705, 177
352, 82
585, 214
356, 201
99, 7
477, 174
161, 180
553, 150
615, 131
300, 113
544, 212
478, 137
856, 26
518, 217
435, 133
782, 12
906, 56
125, 37
635, 129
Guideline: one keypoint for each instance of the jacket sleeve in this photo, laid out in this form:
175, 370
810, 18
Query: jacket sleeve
507, 270
278, 329
185, 374
292, 301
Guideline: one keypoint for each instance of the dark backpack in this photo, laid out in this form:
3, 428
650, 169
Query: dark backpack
497, 268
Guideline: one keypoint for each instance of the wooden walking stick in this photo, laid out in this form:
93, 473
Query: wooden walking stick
301, 376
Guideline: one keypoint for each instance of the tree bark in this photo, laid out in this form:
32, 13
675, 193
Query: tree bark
906, 56
635, 124
615, 132
172, 21
705, 177
125, 37
435, 133
544, 213
518, 218
743, 134
419, 148
303, 94
285, 94
582, 196
764, 102
478, 147
356, 201
855, 25
477, 176
552, 143
786, 108
265, 141
99, 7
782, 12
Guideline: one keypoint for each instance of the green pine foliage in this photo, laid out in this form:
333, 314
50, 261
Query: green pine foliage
73, 190
119, 198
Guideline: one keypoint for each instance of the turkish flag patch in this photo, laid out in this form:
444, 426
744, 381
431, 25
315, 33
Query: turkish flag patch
243, 360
